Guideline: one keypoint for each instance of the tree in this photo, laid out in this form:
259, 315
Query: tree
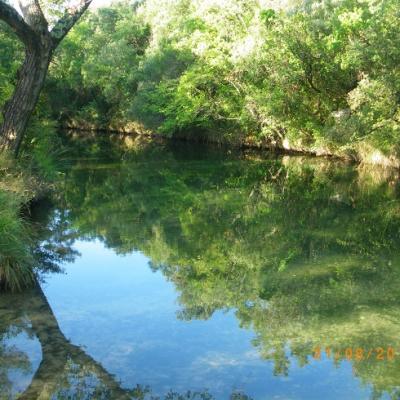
32, 28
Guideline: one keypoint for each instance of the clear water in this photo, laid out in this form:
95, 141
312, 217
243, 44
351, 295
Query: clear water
195, 273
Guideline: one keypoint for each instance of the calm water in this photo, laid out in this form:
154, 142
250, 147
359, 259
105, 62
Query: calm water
204, 274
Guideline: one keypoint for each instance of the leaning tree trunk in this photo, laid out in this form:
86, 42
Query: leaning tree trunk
32, 29
19, 108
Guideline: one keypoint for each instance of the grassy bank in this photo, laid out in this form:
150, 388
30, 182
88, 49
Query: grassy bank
22, 182
17, 189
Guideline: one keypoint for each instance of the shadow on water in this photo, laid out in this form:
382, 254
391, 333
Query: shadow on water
65, 370
31, 312
305, 251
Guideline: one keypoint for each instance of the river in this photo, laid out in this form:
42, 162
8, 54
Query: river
179, 271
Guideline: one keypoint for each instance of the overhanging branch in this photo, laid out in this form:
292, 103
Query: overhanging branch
33, 15
68, 20
12, 18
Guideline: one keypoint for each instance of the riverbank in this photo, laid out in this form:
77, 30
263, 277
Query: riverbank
18, 188
361, 153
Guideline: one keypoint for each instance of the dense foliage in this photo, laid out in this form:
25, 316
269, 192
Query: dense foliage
321, 75
317, 75
96, 68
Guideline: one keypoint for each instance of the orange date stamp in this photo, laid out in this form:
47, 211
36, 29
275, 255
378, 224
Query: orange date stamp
356, 353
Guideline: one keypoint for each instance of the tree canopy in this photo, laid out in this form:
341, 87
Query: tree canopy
316, 75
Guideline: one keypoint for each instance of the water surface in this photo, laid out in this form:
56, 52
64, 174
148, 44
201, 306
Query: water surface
195, 273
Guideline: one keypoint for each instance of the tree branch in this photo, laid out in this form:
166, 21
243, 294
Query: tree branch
12, 18
33, 15
68, 20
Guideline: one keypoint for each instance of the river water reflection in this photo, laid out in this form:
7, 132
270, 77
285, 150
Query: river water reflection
195, 273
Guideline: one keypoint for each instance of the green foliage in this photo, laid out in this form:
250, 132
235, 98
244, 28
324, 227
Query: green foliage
315, 74
320, 74
203, 98
95, 67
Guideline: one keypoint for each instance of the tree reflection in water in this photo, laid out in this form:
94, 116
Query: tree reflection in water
305, 251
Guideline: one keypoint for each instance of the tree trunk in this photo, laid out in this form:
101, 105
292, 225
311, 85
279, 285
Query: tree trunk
32, 29
19, 108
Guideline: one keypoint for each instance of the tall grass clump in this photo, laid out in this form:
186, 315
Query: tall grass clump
16, 259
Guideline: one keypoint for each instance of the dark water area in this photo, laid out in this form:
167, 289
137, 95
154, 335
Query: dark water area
201, 273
